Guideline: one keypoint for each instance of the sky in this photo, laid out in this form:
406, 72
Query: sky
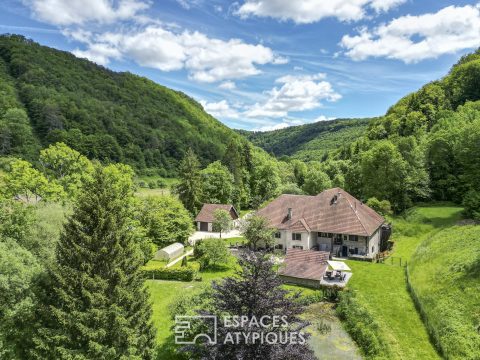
263, 64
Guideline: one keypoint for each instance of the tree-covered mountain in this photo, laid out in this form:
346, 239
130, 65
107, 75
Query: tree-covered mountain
48, 96
310, 141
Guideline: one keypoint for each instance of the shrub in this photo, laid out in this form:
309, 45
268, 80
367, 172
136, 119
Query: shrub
361, 326
211, 252
152, 185
161, 184
179, 274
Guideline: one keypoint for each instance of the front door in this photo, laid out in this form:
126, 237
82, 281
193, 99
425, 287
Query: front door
344, 251
203, 226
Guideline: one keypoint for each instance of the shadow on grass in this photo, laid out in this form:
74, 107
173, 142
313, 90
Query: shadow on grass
215, 269
169, 350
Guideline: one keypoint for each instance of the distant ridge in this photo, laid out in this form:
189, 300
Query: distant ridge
310, 141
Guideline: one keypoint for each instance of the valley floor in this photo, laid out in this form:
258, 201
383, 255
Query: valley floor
381, 288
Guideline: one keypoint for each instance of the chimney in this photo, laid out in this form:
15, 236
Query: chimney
289, 214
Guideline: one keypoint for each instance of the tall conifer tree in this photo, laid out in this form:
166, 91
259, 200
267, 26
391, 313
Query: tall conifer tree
189, 189
94, 304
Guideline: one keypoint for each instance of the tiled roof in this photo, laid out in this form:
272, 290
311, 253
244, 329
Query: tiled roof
331, 211
206, 214
305, 264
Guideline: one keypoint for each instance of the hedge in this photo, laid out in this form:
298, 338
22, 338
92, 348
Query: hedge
362, 327
180, 274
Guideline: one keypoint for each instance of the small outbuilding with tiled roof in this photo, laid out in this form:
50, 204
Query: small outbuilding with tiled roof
205, 217
333, 221
311, 268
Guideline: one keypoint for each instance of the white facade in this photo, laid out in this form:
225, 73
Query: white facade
341, 245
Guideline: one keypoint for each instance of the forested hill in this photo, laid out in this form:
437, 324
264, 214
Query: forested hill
311, 141
103, 114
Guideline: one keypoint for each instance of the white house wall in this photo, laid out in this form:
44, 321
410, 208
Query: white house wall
287, 242
374, 243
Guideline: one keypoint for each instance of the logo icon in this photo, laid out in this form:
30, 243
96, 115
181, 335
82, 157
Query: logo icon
184, 326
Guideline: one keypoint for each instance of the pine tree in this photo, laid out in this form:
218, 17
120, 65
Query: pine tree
189, 189
94, 304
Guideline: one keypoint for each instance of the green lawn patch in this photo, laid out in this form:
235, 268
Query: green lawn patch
445, 279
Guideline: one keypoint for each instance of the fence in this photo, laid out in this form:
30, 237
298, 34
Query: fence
392, 260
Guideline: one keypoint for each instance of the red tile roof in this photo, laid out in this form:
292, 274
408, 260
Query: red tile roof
331, 211
305, 264
207, 212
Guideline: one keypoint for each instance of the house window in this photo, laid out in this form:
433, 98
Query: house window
297, 247
338, 240
297, 236
353, 237
279, 246
323, 235
373, 249
278, 235
345, 237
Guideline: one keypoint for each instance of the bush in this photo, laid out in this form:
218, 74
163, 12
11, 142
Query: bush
142, 184
152, 185
179, 274
161, 184
361, 326
471, 202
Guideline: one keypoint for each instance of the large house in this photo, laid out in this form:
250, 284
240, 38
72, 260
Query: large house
205, 217
332, 221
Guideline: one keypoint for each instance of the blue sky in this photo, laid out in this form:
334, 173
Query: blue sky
263, 64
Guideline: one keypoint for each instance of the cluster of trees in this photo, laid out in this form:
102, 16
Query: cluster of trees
86, 298
426, 146
59, 177
245, 177
116, 117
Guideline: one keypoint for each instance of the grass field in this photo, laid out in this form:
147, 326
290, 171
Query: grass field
382, 289
445, 277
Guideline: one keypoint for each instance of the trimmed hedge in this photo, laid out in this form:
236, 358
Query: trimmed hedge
179, 274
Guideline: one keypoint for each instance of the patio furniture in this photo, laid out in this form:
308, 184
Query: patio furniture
328, 274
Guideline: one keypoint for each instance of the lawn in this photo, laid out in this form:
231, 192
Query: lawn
163, 294
445, 276
381, 288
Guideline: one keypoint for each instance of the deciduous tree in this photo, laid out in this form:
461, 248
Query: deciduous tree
258, 232
222, 221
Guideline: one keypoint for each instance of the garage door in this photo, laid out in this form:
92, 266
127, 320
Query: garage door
203, 226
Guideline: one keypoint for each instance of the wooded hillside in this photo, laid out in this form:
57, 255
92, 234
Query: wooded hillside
310, 141
103, 114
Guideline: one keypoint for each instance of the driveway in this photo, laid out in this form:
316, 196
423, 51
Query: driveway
199, 235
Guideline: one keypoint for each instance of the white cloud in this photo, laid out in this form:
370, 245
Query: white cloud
309, 11
99, 53
414, 38
221, 109
227, 85
206, 59
75, 12
323, 118
297, 93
